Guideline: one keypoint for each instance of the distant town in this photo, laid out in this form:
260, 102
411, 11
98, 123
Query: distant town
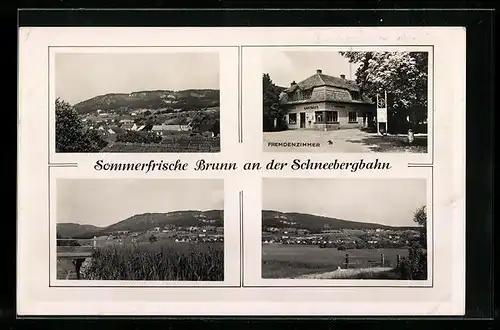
148, 121
340, 238
177, 234
283, 229
195, 227
162, 122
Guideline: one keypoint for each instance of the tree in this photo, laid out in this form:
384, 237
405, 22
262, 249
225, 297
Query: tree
204, 119
271, 108
420, 217
414, 267
71, 135
403, 75
152, 238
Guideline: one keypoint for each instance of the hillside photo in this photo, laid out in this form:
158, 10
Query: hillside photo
137, 102
344, 229
125, 229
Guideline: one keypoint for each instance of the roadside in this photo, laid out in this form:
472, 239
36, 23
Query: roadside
353, 273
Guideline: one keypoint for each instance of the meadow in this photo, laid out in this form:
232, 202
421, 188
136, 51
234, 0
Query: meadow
171, 143
290, 261
158, 261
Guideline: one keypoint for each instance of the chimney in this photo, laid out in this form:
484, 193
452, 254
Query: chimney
319, 71
342, 76
293, 83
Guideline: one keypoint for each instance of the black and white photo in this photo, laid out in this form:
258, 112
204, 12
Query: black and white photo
345, 101
344, 229
140, 229
117, 102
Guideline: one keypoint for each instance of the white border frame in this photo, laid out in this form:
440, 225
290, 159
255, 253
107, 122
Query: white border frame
34, 297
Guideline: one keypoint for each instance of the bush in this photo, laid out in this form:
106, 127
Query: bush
414, 267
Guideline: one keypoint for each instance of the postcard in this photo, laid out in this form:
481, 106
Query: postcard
264, 171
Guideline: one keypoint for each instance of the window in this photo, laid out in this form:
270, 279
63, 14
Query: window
292, 119
353, 117
318, 115
332, 117
306, 95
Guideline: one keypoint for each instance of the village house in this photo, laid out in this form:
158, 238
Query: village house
165, 128
303, 231
289, 230
323, 102
125, 121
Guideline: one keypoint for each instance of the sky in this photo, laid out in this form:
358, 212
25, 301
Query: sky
384, 201
287, 66
81, 76
102, 202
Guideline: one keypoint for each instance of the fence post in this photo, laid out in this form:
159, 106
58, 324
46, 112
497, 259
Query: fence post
398, 260
382, 259
94, 243
347, 260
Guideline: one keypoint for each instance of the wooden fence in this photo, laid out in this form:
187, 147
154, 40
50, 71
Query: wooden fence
350, 261
76, 250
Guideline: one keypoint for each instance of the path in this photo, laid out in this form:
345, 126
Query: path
344, 273
343, 140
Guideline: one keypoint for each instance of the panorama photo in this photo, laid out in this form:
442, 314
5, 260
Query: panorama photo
140, 229
137, 102
346, 102
344, 229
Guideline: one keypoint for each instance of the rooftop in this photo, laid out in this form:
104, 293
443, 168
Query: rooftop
320, 79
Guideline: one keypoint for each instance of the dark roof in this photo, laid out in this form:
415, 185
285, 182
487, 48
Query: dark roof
321, 79
118, 130
205, 127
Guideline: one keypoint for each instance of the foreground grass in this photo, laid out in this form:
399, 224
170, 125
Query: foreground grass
157, 261
171, 143
291, 261
393, 143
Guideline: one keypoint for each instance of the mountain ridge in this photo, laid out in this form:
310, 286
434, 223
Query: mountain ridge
214, 217
151, 99
272, 218
145, 221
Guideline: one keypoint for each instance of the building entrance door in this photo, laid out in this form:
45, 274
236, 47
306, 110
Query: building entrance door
302, 120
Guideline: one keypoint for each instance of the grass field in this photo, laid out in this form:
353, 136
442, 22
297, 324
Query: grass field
169, 144
289, 261
161, 261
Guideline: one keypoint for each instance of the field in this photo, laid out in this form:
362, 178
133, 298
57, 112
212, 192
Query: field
289, 261
161, 261
171, 143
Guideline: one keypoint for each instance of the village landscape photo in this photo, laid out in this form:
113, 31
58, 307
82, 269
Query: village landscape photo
346, 101
344, 229
140, 229
137, 102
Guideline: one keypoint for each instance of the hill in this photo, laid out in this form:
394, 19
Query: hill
145, 221
186, 99
71, 230
315, 222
